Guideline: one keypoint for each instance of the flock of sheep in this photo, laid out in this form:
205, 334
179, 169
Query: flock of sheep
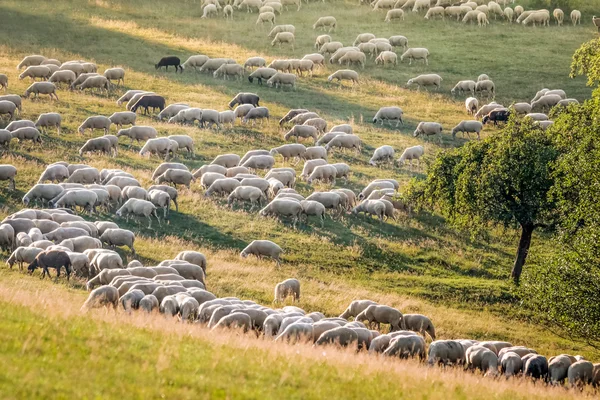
57, 238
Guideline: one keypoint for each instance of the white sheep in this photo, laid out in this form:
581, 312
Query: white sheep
137, 207
387, 114
8, 173
387, 57
115, 74
426, 80
101, 144
321, 40
175, 177
382, 154
280, 79
49, 120
396, 13
123, 118
416, 53
289, 287
247, 193
302, 131
575, 17
411, 153
468, 127
284, 37
464, 86
38, 88
138, 133
326, 22
428, 129
263, 248
344, 74
267, 16
95, 122
471, 104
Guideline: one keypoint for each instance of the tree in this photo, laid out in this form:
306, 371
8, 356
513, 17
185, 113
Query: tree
501, 180
586, 61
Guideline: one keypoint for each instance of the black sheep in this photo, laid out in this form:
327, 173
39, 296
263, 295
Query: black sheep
148, 101
51, 259
245, 98
166, 61
496, 116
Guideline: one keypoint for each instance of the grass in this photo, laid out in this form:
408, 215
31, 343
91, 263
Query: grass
53, 350
418, 264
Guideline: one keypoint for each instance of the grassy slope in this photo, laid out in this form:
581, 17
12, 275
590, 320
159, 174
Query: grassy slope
400, 263
53, 350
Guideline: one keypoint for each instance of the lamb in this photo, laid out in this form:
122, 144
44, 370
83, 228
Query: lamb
382, 154
388, 114
284, 37
575, 17
38, 88
263, 248
326, 22
289, 287
428, 129
468, 127
54, 172
283, 208
345, 142
175, 177
119, 237
426, 80
95, 122
344, 74
8, 173
326, 173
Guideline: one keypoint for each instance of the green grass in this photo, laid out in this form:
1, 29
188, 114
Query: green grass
418, 264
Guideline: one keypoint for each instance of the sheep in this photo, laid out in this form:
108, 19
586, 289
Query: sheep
247, 193
259, 74
283, 208
280, 79
281, 28
435, 12
7, 107
245, 98
302, 131
263, 248
86, 199
51, 259
310, 165
54, 172
382, 154
285, 176
321, 40
15, 99
387, 57
215, 168
542, 18
326, 173
23, 255
195, 62
104, 295
85, 176
7, 237
284, 37
464, 86
468, 127
8, 173
65, 76
117, 74
306, 65
546, 102
101, 144
123, 118
499, 114
428, 129
38, 88
209, 178
289, 287
558, 368
289, 151
5, 138
147, 101
416, 54
353, 57
222, 186
315, 152
580, 373
446, 352
471, 104
49, 120
486, 86
36, 71
122, 181
426, 80
227, 70
356, 307
345, 142
575, 17
328, 199
260, 162
301, 117
31, 60
326, 22
388, 114
275, 5
95, 82
175, 177
509, 14
267, 16
95, 122
485, 110
344, 74
482, 358
80, 244
171, 60
255, 62
566, 102
536, 367
378, 314
138, 133
119, 237
159, 146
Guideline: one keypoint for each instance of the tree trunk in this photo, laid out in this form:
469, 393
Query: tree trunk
522, 251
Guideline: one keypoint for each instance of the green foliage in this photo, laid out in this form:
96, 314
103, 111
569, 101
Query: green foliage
501, 180
586, 61
565, 290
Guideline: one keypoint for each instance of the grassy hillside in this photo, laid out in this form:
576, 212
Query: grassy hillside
417, 264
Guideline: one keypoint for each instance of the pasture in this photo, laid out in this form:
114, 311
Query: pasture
417, 263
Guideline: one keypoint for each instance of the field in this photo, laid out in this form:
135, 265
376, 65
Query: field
417, 263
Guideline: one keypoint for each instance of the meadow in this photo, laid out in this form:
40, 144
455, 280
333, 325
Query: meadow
417, 263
